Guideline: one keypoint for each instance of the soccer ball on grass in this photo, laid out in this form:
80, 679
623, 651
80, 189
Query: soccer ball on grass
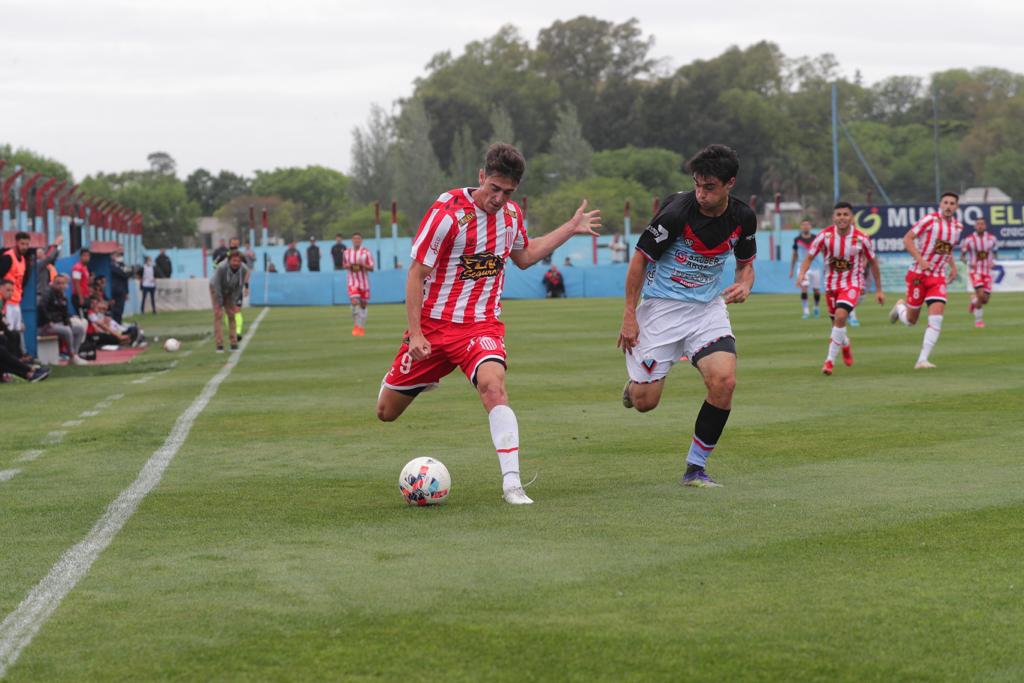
424, 481
172, 345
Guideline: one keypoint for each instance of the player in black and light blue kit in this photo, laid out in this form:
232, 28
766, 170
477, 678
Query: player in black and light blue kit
801, 245
678, 265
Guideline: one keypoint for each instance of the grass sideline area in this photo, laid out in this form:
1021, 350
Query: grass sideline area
870, 528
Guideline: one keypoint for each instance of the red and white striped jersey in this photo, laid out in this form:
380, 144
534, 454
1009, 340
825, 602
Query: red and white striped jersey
467, 247
846, 257
935, 238
358, 277
980, 250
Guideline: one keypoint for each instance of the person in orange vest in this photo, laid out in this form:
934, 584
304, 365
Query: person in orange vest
14, 265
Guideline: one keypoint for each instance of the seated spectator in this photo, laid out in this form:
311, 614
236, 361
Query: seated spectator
98, 287
10, 361
54, 319
554, 283
105, 331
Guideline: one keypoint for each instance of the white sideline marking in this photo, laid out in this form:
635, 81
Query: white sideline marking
21, 625
72, 423
53, 438
114, 397
89, 413
29, 456
7, 475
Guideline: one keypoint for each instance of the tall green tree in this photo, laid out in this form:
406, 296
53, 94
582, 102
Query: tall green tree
321, 194
465, 159
214, 191
169, 216
372, 177
162, 163
418, 175
571, 154
33, 162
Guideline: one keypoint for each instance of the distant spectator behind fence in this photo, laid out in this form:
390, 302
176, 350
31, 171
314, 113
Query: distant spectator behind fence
147, 281
220, 252
164, 267
313, 256
80, 277
554, 283
338, 252
118, 286
292, 259
618, 249
46, 271
54, 319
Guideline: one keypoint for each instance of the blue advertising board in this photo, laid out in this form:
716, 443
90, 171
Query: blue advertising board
887, 224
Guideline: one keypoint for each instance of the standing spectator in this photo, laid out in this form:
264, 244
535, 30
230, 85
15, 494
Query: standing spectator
618, 249
14, 265
292, 259
45, 270
313, 256
219, 256
227, 289
80, 282
250, 256
567, 263
118, 286
220, 252
54, 319
147, 280
164, 268
554, 283
338, 252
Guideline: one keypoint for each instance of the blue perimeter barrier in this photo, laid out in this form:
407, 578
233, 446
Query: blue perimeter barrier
388, 286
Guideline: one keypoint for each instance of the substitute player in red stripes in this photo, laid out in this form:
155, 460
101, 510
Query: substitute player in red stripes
358, 261
930, 241
847, 251
453, 299
978, 251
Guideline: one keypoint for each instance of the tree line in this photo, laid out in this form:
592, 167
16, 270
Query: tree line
598, 117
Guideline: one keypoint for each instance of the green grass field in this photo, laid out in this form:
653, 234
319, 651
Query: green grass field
871, 527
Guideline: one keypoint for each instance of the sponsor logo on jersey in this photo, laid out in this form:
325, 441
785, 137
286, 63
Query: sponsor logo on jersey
476, 266
840, 265
943, 247
467, 217
659, 233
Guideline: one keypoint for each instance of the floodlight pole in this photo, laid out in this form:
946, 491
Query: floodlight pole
835, 143
394, 232
376, 228
935, 136
627, 228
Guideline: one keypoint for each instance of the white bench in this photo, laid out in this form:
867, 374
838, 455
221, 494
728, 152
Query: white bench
48, 349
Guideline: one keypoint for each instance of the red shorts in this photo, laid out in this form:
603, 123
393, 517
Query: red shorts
982, 280
358, 293
846, 295
922, 288
452, 345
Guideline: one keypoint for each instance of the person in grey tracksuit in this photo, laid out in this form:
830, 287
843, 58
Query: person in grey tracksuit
226, 290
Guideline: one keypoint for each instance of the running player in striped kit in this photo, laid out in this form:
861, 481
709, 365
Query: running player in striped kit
978, 251
453, 299
930, 242
846, 251
358, 261
812, 279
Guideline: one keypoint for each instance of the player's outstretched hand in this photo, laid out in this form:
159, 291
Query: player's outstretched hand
736, 293
628, 334
880, 297
586, 222
419, 347
952, 273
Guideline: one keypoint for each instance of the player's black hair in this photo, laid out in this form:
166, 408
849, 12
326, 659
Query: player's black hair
843, 205
233, 253
357, 234
505, 160
715, 161
22, 236
84, 250
954, 195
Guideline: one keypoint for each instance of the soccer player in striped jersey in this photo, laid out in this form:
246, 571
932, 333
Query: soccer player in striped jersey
453, 299
358, 261
812, 279
930, 241
978, 251
678, 267
846, 251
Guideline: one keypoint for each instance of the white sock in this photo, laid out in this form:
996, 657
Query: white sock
903, 314
505, 435
836, 342
362, 316
355, 315
931, 335
978, 313
974, 300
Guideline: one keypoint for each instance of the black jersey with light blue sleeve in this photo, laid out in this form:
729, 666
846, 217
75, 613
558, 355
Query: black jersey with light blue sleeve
686, 250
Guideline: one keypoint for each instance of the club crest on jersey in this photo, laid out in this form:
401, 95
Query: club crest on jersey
982, 255
943, 247
476, 266
466, 217
648, 364
840, 265
511, 213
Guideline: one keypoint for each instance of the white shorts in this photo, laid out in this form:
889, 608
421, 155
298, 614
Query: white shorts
12, 314
670, 329
812, 279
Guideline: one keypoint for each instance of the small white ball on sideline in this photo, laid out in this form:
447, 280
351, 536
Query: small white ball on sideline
172, 345
424, 481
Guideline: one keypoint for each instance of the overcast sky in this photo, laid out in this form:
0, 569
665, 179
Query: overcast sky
257, 84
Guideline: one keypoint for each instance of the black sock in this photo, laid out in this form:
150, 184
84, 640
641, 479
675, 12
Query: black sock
710, 423
817, 298
803, 296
